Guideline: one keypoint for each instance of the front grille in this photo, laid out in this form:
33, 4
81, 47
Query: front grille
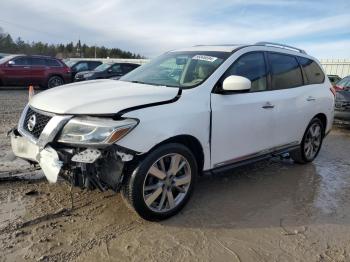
40, 123
342, 106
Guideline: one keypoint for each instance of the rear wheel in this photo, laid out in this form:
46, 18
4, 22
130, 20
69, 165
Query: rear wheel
162, 183
54, 81
311, 143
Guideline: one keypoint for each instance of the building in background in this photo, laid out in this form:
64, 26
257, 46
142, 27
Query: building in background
340, 67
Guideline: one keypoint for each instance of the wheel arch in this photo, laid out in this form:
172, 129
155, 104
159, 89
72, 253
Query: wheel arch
191, 143
323, 119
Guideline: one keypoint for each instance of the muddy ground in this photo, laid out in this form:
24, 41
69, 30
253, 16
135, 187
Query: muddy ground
270, 211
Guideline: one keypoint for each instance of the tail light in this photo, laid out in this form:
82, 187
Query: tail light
67, 70
338, 88
333, 90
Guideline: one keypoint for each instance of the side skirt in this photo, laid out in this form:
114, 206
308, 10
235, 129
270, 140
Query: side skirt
231, 164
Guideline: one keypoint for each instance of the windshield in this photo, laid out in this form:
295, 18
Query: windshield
178, 69
102, 67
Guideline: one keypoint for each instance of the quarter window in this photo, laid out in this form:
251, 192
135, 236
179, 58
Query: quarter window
285, 71
251, 66
313, 72
52, 62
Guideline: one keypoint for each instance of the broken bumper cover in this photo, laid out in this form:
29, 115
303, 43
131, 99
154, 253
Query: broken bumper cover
47, 157
85, 167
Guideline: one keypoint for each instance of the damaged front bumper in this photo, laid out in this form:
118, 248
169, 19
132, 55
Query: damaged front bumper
84, 167
47, 157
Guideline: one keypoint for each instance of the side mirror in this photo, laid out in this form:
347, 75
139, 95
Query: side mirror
11, 63
236, 83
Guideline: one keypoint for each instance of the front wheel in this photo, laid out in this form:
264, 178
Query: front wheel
311, 143
162, 183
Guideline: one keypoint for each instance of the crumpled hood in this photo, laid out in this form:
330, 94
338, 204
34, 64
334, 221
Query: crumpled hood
100, 97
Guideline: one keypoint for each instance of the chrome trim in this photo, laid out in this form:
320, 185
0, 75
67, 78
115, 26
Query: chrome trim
49, 132
52, 128
257, 154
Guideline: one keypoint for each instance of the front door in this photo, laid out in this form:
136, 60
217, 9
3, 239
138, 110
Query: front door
242, 122
17, 71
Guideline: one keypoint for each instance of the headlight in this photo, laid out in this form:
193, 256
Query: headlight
94, 131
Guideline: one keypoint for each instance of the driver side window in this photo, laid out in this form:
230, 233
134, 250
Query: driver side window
251, 66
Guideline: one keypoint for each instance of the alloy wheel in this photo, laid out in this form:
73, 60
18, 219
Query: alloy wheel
167, 183
313, 140
55, 81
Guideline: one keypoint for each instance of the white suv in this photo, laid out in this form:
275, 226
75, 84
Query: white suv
187, 112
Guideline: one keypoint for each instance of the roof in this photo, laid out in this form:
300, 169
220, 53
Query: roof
232, 47
218, 48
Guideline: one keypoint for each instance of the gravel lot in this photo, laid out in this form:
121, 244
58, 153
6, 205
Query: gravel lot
270, 211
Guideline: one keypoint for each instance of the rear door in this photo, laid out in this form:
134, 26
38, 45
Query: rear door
241, 122
289, 99
38, 70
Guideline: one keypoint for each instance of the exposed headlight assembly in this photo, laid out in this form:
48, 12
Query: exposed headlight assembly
95, 131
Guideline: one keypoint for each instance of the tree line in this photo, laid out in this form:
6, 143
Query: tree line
19, 46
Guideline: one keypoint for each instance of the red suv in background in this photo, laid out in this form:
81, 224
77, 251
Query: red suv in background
47, 72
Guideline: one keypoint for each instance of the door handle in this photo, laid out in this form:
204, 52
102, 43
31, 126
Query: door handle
26, 67
268, 105
310, 98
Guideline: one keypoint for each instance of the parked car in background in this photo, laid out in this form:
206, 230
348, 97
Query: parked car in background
203, 109
334, 79
343, 84
77, 66
20, 70
107, 70
342, 100
342, 105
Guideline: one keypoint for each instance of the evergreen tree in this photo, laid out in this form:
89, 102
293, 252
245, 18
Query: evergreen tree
19, 46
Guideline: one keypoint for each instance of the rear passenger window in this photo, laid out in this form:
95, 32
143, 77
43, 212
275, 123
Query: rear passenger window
38, 61
313, 72
285, 71
251, 66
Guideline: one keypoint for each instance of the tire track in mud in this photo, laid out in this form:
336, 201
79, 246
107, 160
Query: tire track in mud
102, 237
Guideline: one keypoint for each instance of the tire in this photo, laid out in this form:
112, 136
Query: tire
153, 190
55, 81
311, 143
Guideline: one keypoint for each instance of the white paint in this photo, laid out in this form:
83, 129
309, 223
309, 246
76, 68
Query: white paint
240, 126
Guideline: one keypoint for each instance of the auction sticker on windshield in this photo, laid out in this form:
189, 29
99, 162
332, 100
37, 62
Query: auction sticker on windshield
205, 58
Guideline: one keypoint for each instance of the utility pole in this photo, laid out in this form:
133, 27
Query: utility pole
95, 50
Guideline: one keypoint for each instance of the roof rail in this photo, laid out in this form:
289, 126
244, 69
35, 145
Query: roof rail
281, 46
219, 45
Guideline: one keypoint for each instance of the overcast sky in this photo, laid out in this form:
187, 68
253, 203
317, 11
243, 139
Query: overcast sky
151, 27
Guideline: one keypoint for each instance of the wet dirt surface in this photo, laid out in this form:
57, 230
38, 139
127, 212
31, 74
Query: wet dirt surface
272, 210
